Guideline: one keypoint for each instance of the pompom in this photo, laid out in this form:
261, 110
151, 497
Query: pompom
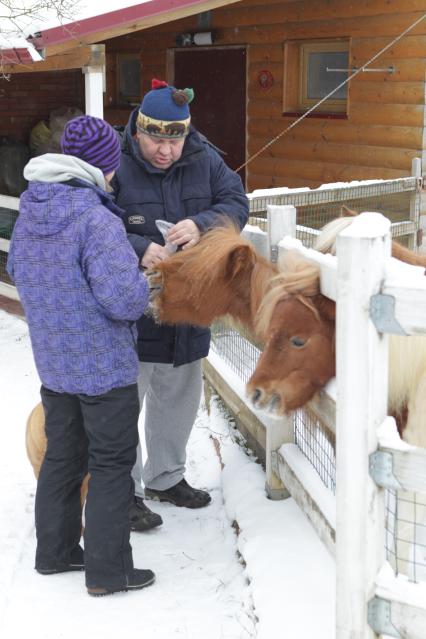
158, 84
183, 96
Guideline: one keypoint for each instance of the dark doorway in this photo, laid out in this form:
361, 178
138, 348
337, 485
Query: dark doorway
218, 77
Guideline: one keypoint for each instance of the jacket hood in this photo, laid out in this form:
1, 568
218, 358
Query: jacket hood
46, 208
55, 167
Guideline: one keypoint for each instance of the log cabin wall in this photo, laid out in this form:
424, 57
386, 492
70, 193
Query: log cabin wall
383, 129
27, 98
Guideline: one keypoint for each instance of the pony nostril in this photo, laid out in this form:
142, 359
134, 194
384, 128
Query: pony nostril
275, 403
257, 394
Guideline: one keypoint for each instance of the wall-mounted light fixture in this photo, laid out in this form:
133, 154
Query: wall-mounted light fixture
201, 39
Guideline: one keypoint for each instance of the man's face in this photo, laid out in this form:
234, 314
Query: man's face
160, 152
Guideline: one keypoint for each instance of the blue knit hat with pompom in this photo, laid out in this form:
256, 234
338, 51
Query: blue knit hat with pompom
164, 111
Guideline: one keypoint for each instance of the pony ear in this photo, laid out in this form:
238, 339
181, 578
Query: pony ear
326, 308
240, 260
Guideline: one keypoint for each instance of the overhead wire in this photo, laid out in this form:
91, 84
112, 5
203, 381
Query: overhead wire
331, 93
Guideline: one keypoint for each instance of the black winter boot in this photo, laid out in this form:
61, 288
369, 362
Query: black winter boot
76, 562
141, 517
137, 580
182, 494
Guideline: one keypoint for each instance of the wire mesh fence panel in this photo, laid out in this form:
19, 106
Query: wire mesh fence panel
318, 445
235, 348
406, 533
398, 200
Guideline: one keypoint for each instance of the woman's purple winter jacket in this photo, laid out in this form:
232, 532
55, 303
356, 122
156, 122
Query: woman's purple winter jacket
80, 286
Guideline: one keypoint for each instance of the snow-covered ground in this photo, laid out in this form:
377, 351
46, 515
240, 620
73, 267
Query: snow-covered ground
244, 567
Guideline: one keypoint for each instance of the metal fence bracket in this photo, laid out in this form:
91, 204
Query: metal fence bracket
382, 313
274, 253
379, 617
380, 467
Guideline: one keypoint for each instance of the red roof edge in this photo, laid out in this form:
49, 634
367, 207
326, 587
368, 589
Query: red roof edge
90, 26
16, 56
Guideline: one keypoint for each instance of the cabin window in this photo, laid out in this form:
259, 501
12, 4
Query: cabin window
128, 78
313, 69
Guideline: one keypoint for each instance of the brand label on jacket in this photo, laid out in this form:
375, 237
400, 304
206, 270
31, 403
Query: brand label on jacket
136, 219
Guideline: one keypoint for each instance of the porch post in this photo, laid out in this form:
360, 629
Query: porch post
94, 81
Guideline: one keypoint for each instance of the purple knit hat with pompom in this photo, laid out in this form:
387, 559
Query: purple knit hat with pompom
94, 141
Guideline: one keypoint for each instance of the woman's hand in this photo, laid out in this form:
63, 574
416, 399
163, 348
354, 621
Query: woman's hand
185, 233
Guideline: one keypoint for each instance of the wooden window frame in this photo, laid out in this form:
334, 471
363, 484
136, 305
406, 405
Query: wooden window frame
296, 57
120, 98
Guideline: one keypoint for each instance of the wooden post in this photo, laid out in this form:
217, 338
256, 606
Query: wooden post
362, 385
94, 80
278, 432
281, 222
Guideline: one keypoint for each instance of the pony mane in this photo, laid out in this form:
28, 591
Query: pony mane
298, 277
326, 241
205, 258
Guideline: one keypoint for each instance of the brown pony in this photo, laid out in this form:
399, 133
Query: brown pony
221, 275
295, 323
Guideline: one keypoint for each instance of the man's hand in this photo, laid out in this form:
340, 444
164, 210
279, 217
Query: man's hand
185, 234
154, 254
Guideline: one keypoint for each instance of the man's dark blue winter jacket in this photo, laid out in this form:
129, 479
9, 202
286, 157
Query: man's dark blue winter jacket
199, 186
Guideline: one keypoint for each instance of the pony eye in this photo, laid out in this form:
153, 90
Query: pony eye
297, 341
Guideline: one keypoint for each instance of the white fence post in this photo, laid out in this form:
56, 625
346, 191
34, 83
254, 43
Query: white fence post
281, 222
362, 384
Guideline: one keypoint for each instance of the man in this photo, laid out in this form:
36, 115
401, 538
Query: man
170, 172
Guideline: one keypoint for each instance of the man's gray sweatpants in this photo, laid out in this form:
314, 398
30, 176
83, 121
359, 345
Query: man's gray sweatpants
172, 398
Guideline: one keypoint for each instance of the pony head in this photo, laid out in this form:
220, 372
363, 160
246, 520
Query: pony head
207, 281
297, 326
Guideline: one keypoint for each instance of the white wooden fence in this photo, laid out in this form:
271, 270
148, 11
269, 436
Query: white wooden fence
11, 203
370, 600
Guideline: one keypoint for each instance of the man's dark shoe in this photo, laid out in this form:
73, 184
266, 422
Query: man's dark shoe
141, 517
76, 562
182, 494
137, 580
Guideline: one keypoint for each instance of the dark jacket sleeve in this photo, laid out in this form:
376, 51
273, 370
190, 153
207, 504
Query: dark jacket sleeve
228, 195
139, 243
111, 268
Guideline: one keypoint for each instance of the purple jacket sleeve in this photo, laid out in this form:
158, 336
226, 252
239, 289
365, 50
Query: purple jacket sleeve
111, 269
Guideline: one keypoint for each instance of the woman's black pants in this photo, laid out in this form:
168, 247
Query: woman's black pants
99, 435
